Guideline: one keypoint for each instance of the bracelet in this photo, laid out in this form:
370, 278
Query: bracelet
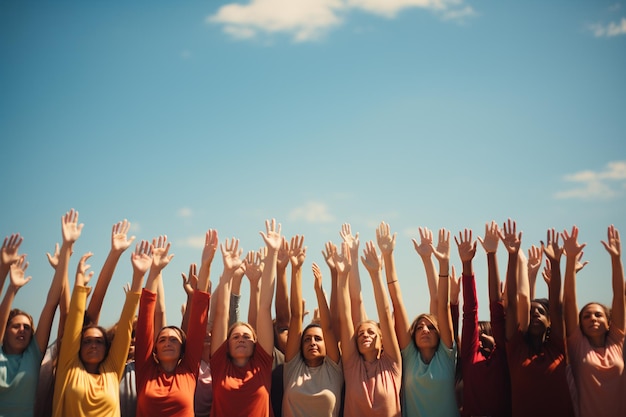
391, 282
443, 276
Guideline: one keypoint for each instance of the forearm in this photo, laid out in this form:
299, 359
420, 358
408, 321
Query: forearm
102, 284
281, 305
493, 278
431, 279
618, 308
5, 308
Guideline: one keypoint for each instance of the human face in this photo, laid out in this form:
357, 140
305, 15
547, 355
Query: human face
594, 321
426, 335
241, 343
368, 338
281, 338
92, 347
539, 319
168, 345
18, 334
313, 346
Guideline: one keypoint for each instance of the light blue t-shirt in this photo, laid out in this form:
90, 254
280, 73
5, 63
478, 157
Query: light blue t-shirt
18, 381
428, 389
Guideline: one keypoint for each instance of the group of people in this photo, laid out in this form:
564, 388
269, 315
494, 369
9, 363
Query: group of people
535, 357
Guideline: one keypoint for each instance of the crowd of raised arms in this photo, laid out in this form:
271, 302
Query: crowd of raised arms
535, 357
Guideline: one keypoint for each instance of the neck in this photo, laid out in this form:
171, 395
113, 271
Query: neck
240, 362
427, 354
314, 363
597, 341
92, 369
168, 366
371, 355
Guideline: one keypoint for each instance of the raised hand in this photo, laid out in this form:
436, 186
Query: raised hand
579, 264
386, 241
571, 248
535, 256
272, 239
547, 272
330, 249
351, 241
17, 272
10, 247
283, 255
371, 260
297, 252
231, 254
82, 276
54, 259
342, 260
160, 249
69, 226
442, 251
190, 282
119, 240
613, 244
126, 288
211, 243
492, 237
254, 266
510, 239
424, 248
467, 247
552, 249
141, 258
317, 275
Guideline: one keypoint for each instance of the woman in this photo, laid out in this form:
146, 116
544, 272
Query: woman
372, 364
595, 336
313, 375
167, 365
487, 387
90, 367
241, 358
535, 337
428, 347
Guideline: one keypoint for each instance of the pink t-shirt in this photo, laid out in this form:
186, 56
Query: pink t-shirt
599, 374
372, 389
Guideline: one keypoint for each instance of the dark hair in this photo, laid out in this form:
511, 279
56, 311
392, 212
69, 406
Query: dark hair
544, 303
485, 327
310, 326
107, 341
607, 313
181, 334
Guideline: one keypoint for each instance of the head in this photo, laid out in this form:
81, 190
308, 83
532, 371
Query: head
18, 333
170, 345
425, 332
369, 337
94, 346
594, 320
312, 345
241, 342
281, 333
131, 347
539, 318
486, 341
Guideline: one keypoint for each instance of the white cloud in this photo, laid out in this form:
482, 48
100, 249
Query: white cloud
612, 29
185, 212
596, 185
307, 20
312, 212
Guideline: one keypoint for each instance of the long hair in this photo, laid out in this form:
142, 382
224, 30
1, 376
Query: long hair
431, 318
107, 340
17, 312
183, 340
607, 313
310, 326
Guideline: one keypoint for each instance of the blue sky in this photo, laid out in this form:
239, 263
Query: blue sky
215, 114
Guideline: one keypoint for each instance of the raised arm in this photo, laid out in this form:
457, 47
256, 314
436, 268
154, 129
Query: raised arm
231, 254
442, 253
572, 250
342, 262
265, 327
356, 296
467, 250
281, 303
490, 245
332, 348
512, 242
9, 255
330, 249
254, 269
16, 281
425, 250
190, 283
553, 252
613, 246
535, 256
386, 243
297, 254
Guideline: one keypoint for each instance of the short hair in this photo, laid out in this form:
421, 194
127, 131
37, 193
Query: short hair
607, 313
17, 312
310, 326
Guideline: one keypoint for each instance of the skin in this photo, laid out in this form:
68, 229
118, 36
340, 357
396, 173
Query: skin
313, 347
92, 349
426, 336
368, 339
594, 321
539, 319
18, 334
241, 345
168, 347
